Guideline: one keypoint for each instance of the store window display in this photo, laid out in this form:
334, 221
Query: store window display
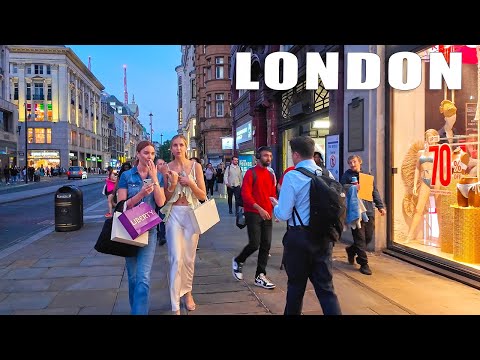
438, 130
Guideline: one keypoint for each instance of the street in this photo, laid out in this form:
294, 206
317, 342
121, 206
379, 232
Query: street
21, 219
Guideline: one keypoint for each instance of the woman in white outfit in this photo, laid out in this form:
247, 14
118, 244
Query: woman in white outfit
185, 186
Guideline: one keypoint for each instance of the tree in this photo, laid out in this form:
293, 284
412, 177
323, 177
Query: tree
164, 151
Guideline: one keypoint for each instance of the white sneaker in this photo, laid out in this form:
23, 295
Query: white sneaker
237, 270
263, 281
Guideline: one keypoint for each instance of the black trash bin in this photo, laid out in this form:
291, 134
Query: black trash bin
68, 208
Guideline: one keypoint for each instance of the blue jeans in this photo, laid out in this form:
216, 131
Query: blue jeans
138, 269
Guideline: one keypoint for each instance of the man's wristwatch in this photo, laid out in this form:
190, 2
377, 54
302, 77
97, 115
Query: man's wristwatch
156, 183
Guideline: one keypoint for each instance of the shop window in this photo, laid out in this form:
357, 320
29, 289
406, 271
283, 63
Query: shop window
435, 142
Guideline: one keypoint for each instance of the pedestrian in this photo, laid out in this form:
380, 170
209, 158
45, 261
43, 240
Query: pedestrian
185, 187
132, 189
258, 217
363, 234
304, 257
222, 193
233, 179
160, 227
210, 174
110, 185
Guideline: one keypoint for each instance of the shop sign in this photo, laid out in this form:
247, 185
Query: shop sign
245, 162
227, 143
41, 154
244, 132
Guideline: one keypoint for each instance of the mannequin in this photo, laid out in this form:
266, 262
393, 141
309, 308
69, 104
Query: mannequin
449, 111
422, 181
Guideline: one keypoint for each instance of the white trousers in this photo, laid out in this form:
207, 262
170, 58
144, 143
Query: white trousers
182, 247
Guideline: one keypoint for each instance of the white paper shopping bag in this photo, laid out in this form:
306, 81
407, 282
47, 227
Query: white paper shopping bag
120, 234
205, 216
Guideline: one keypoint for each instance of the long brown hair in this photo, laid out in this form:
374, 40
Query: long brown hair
184, 140
140, 146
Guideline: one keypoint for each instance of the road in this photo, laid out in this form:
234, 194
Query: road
24, 218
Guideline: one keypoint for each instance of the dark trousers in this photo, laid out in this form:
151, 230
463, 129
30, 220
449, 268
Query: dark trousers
361, 238
233, 190
161, 227
303, 260
259, 238
210, 184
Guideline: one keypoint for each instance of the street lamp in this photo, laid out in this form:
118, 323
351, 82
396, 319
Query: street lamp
161, 145
26, 144
151, 129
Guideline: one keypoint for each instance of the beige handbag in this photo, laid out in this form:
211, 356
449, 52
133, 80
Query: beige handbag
204, 216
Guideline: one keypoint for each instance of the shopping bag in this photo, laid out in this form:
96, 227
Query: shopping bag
204, 216
240, 220
121, 235
105, 245
139, 219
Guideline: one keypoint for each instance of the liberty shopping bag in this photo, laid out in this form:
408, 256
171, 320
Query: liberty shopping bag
105, 245
205, 216
120, 234
139, 219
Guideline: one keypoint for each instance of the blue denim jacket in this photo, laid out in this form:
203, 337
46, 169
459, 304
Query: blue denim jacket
132, 181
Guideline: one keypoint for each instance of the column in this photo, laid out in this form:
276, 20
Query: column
22, 99
55, 95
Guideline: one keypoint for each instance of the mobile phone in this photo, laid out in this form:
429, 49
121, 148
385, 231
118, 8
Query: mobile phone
147, 181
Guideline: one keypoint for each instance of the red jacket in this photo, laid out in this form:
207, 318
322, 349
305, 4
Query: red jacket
260, 192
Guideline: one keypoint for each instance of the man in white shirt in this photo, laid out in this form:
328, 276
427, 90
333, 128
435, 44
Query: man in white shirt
233, 180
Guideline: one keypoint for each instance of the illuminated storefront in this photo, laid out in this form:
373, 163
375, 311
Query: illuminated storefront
38, 158
434, 179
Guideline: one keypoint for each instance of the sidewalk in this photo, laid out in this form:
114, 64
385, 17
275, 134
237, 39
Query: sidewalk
61, 273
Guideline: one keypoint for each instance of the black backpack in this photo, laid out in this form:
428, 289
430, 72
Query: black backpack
327, 206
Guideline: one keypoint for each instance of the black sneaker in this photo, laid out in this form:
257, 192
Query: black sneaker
350, 257
365, 269
230, 211
237, 270
263, 281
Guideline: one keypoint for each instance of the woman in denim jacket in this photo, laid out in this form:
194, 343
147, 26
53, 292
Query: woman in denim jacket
131, 187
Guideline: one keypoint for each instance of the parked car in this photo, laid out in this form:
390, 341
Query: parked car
76, 172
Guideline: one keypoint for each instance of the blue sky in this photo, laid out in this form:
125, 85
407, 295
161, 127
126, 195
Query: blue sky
151, 78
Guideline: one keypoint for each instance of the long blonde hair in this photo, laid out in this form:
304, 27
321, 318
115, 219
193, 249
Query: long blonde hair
184, 140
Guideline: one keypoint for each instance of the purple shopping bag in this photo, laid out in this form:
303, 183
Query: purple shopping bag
139, 219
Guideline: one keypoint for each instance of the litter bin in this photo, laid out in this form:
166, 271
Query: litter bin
68, 208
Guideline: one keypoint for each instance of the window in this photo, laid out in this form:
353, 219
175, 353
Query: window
209, 73
49, 69
38, 91
39, 135
435, 140
4, 122
49, 92
219, 60
204, 49
29, 91
15, 91
14, 68
219, 105
219, 72
38, 69
194, 89
209, 107
28, 69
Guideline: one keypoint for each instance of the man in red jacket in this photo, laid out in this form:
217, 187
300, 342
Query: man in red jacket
258, 217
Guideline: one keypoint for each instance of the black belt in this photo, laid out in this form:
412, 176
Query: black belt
298, 227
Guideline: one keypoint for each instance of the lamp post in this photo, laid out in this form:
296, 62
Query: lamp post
161, 145
26, 145
151, 129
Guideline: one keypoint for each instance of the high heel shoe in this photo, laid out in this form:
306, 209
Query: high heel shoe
189, 305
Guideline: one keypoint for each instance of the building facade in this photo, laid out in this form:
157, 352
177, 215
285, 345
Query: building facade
187, 95
58, 98
212, 64
9, 154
